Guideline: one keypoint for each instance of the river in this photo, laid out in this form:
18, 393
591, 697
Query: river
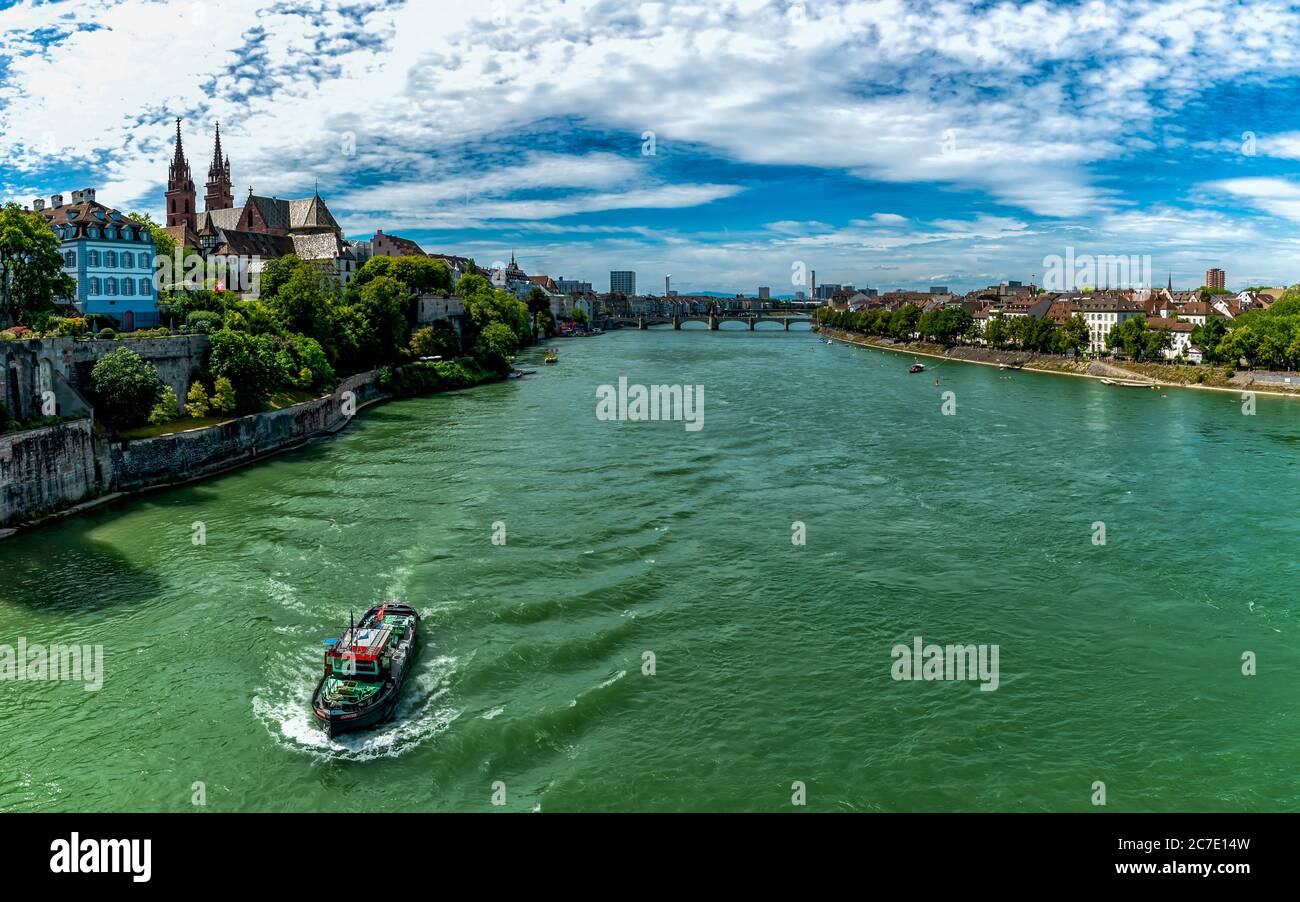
1120, 663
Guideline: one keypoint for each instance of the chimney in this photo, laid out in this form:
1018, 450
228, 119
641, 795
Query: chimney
38, 204
56, 200
76, 197
88, 194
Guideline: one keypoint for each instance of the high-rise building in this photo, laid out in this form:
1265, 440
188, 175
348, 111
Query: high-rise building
622, 281
764, 293
1214, 278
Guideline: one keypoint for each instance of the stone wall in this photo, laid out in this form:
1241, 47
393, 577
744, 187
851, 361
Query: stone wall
186, 455
42, 470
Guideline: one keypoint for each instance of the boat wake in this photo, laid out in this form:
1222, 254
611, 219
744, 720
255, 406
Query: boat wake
421, 715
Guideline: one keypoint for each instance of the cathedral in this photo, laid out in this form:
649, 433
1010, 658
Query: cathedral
264, 227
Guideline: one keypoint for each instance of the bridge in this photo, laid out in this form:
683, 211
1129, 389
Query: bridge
715, 320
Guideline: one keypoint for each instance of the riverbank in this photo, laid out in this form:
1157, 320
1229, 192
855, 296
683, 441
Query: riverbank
1215, 379
61, 470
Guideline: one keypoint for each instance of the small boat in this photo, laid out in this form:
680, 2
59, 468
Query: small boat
551, 356
1125, 383
365, 669
916, 368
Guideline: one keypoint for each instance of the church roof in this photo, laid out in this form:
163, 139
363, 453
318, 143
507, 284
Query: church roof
254, 244
326, 246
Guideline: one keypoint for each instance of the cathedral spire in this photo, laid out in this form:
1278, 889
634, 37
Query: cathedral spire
220, 194
180, 187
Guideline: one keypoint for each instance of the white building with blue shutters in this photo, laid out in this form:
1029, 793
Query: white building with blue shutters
110, 256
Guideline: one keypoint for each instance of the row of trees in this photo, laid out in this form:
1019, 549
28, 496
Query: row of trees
1266, 338
953, 325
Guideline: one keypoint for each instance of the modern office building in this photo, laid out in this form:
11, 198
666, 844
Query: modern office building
623, 282
1214, 278
764, 292
108, 255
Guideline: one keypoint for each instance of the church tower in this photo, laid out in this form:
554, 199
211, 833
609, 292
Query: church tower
220, 195
180, 188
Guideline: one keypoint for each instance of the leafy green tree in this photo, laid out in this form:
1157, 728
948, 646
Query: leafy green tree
1131, 337
124, 388
1209, 336
382, 303
31, 267
196, 401
164, 409
1073, 336
438, 340
251, 365
496, 344
223, 395
303, 302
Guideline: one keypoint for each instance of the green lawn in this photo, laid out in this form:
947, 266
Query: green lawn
180, 425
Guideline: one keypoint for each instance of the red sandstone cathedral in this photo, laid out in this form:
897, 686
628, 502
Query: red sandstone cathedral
264, 227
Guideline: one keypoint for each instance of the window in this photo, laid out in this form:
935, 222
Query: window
94, 284
110, 259
128, 260
93, 231
110, 286
144, 287
70, 259
128, 287
93, 259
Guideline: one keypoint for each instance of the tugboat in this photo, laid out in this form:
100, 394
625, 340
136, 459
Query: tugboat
365, 668
551, 356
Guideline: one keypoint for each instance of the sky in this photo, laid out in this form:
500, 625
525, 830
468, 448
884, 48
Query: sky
731, 144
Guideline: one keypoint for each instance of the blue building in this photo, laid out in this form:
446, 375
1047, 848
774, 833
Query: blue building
110, 256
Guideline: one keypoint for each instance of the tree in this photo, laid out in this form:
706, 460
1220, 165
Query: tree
382, 304
196, 401
1131, 336
495, 346
124, 388
1073, 336
31, 267
438, 340
249, 362
223, 395
164, 409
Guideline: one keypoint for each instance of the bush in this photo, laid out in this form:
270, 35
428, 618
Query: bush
164, 411
124, 388
7, 336
203, 321
430, 378
106, 335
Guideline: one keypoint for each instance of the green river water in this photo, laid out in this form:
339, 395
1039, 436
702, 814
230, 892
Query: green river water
1119, 663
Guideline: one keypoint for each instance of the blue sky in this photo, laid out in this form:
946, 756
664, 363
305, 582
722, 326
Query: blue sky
886, 144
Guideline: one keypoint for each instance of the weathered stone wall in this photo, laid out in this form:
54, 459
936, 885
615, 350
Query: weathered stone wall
186, 455
42, 470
